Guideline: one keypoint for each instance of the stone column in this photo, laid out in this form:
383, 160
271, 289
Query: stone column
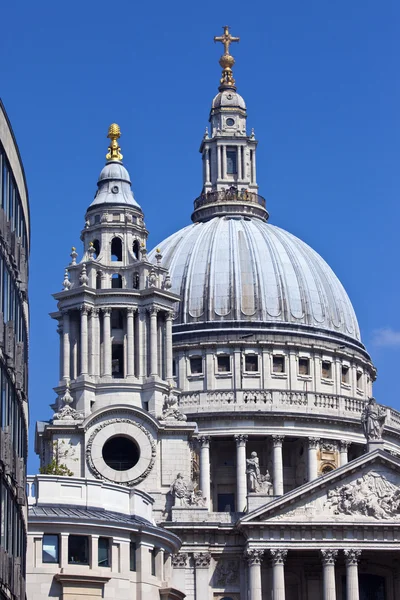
343, 450
84, 339
329, 582
223, 162
241, 477
278, 464
130, 344
278, 573
179, 564
141, 346
205, 487
219, 176
153, 341
201, 574
61, 352
239, 162
352, 557
254, 557
95, 342
107, 341
207, 158
253, 170
66, 346
312, 465
168, 347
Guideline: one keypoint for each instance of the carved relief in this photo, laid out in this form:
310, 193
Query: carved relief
371, 495
171, 411
202, 560
373, 419
256, 482
226, 573
179, 560
185, 495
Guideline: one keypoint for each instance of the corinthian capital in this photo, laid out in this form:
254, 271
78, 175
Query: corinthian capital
329, 556
278, 556
313, 442
254, 556
241, 439
204, 441
179, 560
277, 440
352, 556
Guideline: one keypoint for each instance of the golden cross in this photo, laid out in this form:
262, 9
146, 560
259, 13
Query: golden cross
226, 39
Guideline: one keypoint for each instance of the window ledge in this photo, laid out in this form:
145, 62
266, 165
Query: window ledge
251, 374
346, 386
222, 375
304, 377
279, 375
195, 377
326, 381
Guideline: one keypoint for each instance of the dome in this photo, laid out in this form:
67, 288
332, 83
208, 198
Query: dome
246, 270
228, 98
114, 186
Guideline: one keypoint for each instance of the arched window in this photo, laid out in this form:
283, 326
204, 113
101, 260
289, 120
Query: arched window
116, 281
136, 249
135, 281
98, 280
116, 249
96, 246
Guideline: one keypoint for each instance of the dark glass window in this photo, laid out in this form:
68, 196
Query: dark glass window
174, 368
196, 365
104, 552
251, 363
120, 453
117, 318
78, 549
116, 281
136, 249
345, 374
96, 246
278, 364
50, 548
98, 280
153, 561
117, 363
226, 503
326, 369
116, 249
231, 161
224, 364
132, 556
304, 366
359, 379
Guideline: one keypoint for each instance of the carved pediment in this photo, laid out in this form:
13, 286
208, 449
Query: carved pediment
365, 490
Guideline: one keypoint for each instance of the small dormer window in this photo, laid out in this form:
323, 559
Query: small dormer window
230, 122
231, 161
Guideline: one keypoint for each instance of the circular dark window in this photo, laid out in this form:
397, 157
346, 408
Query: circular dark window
115, 189
230, 122
120, 453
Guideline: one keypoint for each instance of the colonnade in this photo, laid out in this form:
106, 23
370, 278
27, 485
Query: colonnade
221, 163
277, 461
278, 557
86, 342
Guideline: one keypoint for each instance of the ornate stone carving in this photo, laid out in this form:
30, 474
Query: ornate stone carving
328, 446
344, 445
106, 310
256, 481
373, 419
313, 442
202, 560
179, 561
371, 495
278, 440
101, 426
241, 439
95, 311
254, 556
204, 441
278, 556
352, 556
185, 495
83, 278
66, 283
152, 278
67, 413
84, 308
329, 556
226, 573
171, 410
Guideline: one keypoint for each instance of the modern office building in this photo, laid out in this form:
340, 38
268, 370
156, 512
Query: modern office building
14, 323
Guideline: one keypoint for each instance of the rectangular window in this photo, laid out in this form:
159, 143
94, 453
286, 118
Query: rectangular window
304, 366
132, 556
104, 552
251, 363
359, 380
224, 364
231, 161
345, 374
226, 503
174, 368
326, 369
278, 364
78, 549
196, 365
153, 561
50, 548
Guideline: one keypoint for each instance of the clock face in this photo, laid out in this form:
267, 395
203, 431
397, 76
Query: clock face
230, 122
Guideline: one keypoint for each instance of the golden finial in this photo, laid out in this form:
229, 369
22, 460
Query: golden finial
114, 133
226, 61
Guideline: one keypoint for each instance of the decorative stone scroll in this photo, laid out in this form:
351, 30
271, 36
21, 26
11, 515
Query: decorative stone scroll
371, 495
185, 495
254, 556
202, 560
257, 483
67, 413
226, 573
179, 561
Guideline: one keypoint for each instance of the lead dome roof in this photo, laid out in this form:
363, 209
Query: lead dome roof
246, 270
114, 186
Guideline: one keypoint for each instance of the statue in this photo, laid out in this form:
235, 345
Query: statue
373, 419
171, 411
256, 481
184, 494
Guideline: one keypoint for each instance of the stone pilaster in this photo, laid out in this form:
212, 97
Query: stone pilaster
241, 477
278, 464
352, 558
278, 573
328, 565
254, 557
205, 487
313, 444
201, 573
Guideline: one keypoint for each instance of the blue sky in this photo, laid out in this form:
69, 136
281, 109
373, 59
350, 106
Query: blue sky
322, 88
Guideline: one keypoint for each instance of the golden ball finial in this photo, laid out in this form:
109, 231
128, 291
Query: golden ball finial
114, 132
